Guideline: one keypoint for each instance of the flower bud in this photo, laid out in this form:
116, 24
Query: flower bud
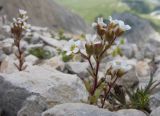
89, 49
98, 48
119, 32
109, 35
100, 30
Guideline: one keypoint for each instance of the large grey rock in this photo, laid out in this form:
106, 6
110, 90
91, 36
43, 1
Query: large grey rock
11, 97
77, 109
45, 13
33, 106
155, 112
51, 84
130, 112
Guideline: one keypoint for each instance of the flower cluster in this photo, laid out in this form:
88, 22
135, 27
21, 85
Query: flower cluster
18, 27
98, 46
20, 23
94, 45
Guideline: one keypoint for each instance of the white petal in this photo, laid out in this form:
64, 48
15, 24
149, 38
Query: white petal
22, 12
94, 24
94, 37
127, 27
69, 53
110, 18
75, 50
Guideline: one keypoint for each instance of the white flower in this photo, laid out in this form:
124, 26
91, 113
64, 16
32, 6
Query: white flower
14, 20
99, 22
90, 39
72, 47
120, 65
123, 26
22, 12
113, 21
120, 23
26, 26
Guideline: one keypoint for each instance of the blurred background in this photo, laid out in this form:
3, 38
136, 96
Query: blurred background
76, 16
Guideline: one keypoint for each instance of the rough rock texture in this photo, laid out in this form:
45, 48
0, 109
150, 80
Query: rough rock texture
51, 14
154, 101
77, 109
130, 79
11, 97
53, 85
33, 106
79, 68
155, 112
130, 112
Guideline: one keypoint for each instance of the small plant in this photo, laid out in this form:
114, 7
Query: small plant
18, 27
97, 47
61, 35
40, 53
137, 97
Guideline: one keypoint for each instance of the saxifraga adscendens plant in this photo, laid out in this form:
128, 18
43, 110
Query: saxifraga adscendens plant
97, 47
18, 27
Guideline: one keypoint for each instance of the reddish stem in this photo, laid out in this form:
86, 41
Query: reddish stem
106, 93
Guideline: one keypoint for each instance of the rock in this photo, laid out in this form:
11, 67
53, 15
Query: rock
129, 50
52, 42
8, 45
52, 50
38, 29
79, 68
56, 62
54, 16
143, 69
77, 109
31, 59
30, 46
23, 45
7, 48
157, 79
49, 83
157, 59
33, 106
155, 112
2, 56
11, 97
7, 65
154, 101
35, 38
149, 51
129, 80
130, 112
